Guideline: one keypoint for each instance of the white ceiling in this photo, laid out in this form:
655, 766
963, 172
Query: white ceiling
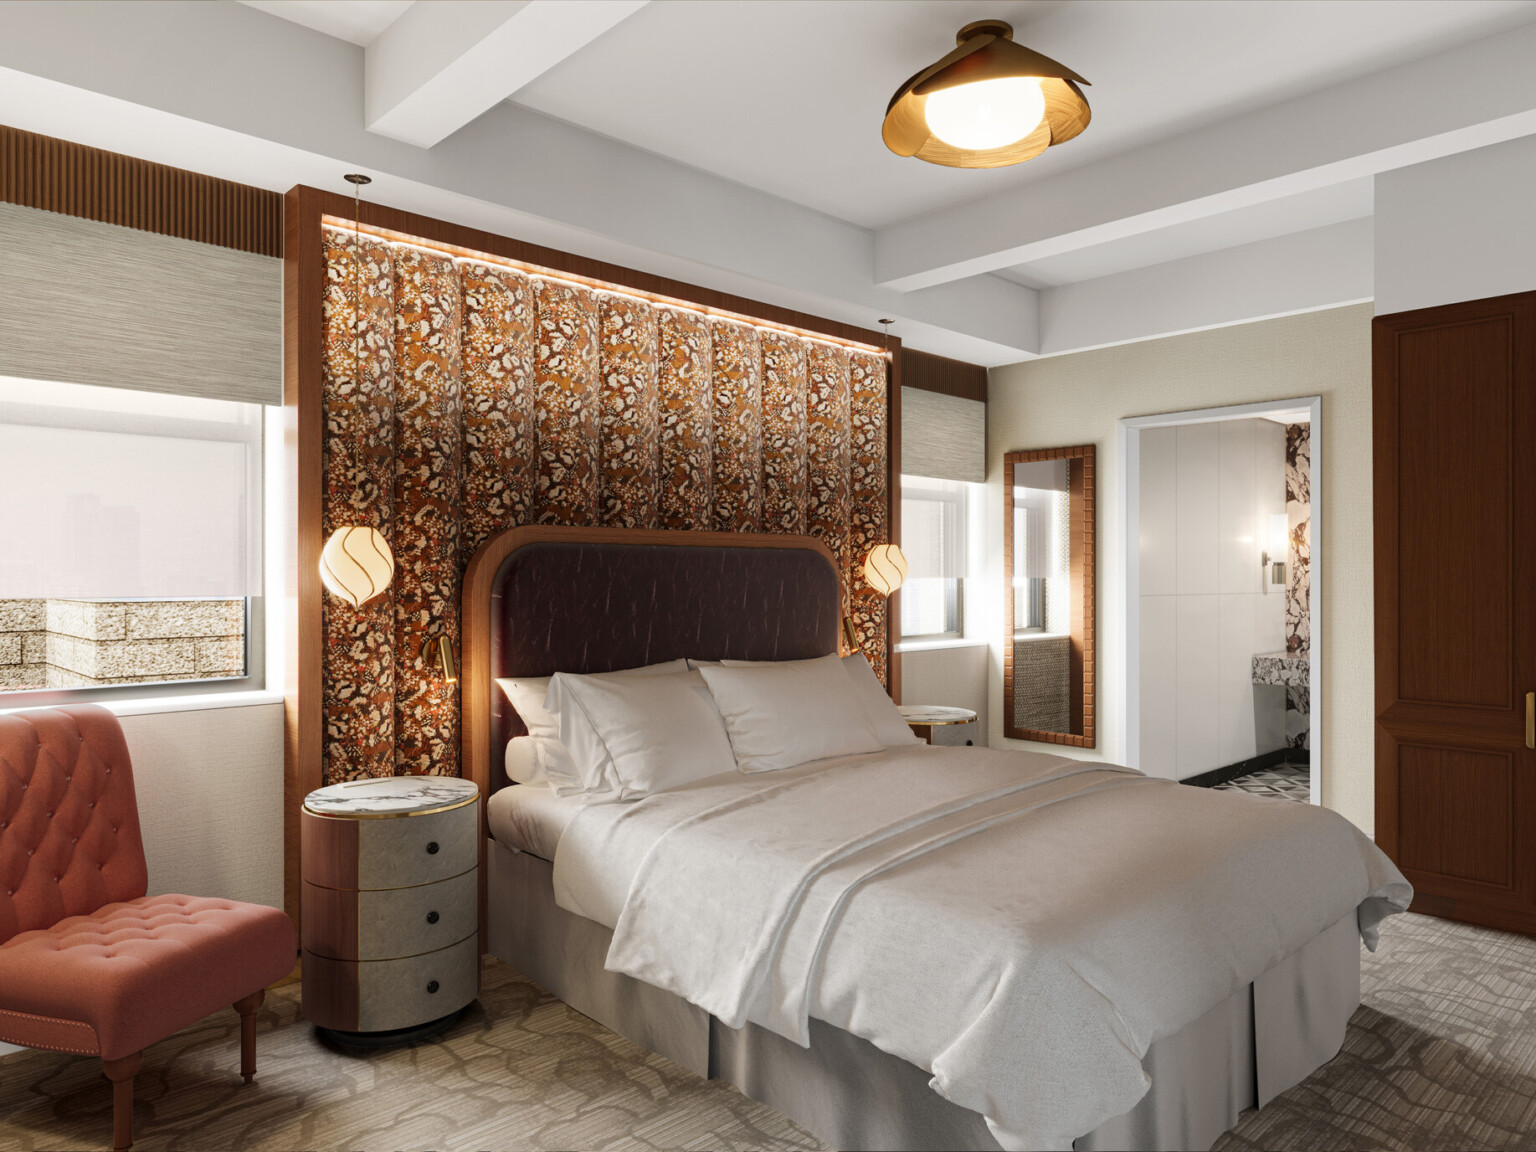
788, 95
355, 21
1228, 173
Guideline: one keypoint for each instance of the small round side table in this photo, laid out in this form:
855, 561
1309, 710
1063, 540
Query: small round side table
940, 724
391, 906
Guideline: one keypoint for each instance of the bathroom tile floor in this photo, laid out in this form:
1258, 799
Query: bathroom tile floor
1285, 781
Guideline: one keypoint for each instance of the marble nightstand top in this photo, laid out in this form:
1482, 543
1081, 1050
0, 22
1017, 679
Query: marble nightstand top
935, 714
391, 796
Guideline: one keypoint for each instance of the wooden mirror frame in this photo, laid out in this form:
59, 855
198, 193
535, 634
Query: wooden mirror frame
1084, 606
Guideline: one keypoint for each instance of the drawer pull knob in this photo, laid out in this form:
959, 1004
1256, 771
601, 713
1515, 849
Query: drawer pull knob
432, 986
431, 917
432, 848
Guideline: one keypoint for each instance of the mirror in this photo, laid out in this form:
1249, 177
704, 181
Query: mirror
1048, 574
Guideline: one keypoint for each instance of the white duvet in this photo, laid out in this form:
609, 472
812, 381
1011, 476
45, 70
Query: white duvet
1023, 926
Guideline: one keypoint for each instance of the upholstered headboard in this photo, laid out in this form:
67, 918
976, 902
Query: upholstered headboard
546, 599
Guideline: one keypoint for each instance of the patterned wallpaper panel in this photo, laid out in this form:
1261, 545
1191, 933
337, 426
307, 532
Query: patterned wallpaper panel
488, 398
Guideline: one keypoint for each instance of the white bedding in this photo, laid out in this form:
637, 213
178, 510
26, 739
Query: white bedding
531, 818
1023, 926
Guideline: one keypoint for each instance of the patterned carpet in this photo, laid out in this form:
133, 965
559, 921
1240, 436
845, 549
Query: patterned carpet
1441, 1055
1287, 781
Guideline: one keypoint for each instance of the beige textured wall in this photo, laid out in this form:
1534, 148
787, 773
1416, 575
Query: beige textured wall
209, 784
1079, 399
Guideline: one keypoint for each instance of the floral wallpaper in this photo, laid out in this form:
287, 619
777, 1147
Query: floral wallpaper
464, 397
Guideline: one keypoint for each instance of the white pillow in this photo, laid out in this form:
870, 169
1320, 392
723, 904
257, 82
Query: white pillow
879, 709
523, 765
553, 760
789, 712
634, 735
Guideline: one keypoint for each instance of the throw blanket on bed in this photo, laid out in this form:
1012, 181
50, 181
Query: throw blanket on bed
1023, 926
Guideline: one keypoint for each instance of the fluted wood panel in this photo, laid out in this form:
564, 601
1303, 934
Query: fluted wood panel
868, 519
784, 465
738, 417
429, 463
74, 180
359, 489
687, 424
828, 434
631, 420
569, 404
500, 437
490, 397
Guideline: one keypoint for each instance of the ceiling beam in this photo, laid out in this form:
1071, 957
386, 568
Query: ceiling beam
1468, 97
445, 62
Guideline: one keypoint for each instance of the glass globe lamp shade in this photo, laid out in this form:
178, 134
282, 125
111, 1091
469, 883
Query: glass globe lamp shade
986, 114
356, 564
885, 568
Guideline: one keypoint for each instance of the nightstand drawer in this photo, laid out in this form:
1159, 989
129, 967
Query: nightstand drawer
386, 923
378, 995
417, 849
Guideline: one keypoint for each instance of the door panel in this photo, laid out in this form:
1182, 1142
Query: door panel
1455, 474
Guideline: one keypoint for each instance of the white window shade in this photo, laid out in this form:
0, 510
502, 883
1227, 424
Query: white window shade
933, 525
112, 494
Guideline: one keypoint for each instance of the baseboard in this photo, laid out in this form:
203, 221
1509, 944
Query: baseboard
1254, 764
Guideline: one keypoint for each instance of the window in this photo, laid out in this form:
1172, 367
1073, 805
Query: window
933, 536
132, 523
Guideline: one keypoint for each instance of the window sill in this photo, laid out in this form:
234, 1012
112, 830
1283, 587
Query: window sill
931, 645
191, 702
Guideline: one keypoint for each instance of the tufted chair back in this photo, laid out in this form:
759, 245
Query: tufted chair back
69, 825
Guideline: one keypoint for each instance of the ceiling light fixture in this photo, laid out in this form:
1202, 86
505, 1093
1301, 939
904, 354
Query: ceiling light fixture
988, 104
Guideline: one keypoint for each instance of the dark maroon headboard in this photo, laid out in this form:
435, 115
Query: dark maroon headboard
546, 599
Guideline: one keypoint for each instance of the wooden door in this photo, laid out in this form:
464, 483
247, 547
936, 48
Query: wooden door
1455, 471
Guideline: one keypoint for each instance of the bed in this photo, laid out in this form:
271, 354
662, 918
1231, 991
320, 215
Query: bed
848, 1059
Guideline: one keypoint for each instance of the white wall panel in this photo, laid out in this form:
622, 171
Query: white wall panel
1159, 511
1198, 476
1234, 713
1237, 507
1159, 689
1199, 748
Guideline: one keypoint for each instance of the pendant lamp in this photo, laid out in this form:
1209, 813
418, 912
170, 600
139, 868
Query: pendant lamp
356, 563
988, 104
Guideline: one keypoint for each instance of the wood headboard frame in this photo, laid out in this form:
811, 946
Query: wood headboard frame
479, 607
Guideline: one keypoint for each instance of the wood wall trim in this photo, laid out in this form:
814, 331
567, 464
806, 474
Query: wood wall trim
406, 225
304, 284
940, 374
74, 180
1083, 667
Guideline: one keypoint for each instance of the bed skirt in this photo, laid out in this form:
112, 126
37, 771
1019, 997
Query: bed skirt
1244, 1052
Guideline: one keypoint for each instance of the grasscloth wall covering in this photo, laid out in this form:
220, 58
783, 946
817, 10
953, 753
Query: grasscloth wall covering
464, 397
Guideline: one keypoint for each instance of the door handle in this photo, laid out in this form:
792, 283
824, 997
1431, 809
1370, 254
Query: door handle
1530, 719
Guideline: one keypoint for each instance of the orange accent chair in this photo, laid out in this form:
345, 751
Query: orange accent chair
88, 963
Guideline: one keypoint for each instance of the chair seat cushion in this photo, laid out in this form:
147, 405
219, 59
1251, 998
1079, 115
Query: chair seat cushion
132, 973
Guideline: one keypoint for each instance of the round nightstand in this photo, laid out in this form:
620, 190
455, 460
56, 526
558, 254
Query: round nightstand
391, 897
939, 724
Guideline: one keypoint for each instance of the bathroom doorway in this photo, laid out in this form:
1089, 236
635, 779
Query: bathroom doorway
1224, 656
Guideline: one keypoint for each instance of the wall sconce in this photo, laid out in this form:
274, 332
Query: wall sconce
439, 650
1279, 545
356, 564
885, 570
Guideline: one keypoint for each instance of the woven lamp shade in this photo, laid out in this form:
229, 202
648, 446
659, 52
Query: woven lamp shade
986, 51
885, 568
356, 564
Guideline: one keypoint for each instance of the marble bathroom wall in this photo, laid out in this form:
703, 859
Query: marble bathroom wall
1298, 575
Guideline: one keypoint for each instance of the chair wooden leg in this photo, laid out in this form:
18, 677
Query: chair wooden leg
247, 1009
121, 1073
